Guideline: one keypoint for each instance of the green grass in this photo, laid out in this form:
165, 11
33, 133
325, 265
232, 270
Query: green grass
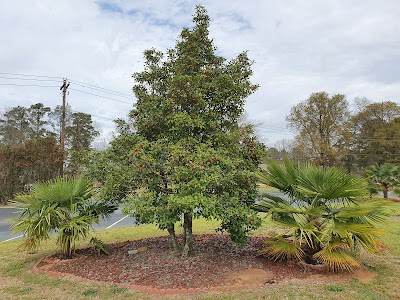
265, 188
18, 282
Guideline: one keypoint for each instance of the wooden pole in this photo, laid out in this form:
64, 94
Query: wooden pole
64, 89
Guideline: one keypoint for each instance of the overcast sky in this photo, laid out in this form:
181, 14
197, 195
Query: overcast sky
300, 47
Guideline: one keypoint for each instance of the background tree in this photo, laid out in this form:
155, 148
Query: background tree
376, 133
38, 120
23, 164
112, 167
55, 119
322, 124
19, 124
14, 126
283, 149
191, 157
384, 177
79, 137
29, 150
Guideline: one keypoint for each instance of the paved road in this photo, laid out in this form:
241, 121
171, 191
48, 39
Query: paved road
6, 213
116, 220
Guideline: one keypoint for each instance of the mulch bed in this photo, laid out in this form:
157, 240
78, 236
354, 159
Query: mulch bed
215, 258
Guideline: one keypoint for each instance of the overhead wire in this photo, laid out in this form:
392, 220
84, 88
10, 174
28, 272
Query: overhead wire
97, 88
30, 75
29, 79
34, 85
112, 99
109, 119
265, 128
80, 83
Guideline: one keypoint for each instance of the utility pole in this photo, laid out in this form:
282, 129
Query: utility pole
64, 89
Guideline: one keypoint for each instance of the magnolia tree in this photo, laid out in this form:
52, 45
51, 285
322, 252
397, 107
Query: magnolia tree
190, 157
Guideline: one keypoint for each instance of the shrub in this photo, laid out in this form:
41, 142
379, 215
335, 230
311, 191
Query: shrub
325, 225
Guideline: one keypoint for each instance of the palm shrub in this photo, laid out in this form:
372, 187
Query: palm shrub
383, 177
64, 206
323, 223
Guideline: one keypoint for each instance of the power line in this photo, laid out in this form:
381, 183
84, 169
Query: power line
35, 85
29, 75
29, 79
97, 88
83, 84
109, 119
101, 96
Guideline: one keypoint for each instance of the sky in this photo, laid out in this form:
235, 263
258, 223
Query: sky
299, 47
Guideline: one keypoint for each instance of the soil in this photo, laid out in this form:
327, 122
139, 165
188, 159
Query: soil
216, 262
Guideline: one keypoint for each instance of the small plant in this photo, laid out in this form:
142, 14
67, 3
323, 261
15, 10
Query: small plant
90, 292
335, 288
62, 205
116, 289
383, 177
99, 247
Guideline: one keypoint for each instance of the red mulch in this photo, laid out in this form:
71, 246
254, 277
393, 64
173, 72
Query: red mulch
214, 258
394, 199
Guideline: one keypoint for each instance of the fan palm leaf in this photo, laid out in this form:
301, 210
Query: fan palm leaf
61, 205
281, 249
337, 258
321, 214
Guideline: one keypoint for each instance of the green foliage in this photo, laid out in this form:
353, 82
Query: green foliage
187, 154
383, 177
117, 290
90, 292
14, 126
29, 150
322, 123
37, 119
23, 164
111, 168
324, 223
63, 205
334, 288
98, 246
376, 133
194, 159
79, 136
19, 124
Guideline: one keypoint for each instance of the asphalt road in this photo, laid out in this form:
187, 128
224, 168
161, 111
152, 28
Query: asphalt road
116, 220
7, 213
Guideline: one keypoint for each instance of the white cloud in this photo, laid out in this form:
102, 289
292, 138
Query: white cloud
299, 48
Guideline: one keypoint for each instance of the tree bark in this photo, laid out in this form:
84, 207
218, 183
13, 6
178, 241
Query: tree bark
172, 235
187, 235
385, 193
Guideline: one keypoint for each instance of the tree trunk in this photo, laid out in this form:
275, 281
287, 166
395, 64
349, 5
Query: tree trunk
187, 235
385, 193
68, 249
172, 235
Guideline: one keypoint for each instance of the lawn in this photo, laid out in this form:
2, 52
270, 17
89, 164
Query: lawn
18, 282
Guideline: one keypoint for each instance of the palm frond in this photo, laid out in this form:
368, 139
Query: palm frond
99, 246
365, 212
329, 183
321, 211
281, 249
337, 258
60, 205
